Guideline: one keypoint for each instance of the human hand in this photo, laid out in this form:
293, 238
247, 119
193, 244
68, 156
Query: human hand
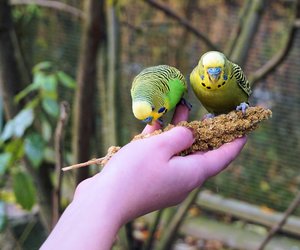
146, 175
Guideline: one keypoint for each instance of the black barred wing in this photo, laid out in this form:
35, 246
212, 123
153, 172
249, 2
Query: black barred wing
244, 84
159, 77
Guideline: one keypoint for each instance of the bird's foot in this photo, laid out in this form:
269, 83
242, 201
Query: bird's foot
186, 103
242, 107
208, 116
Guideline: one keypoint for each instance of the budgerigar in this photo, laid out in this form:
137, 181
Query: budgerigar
155, 91
220, 84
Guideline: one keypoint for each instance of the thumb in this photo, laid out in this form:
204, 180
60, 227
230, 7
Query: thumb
174, 141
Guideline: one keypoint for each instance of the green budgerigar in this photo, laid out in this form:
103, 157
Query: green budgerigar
155, 91
220, 84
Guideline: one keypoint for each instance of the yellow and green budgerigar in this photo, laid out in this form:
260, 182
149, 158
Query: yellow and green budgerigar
220, 84
155, 91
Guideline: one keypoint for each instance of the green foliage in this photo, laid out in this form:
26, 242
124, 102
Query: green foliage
29, 134
34, 148
17, 126
24, 190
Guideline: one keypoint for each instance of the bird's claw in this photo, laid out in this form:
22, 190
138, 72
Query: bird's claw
160, 121
208, 116
242, 107
186, 103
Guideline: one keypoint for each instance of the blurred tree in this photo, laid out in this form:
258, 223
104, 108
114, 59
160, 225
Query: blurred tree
108, 79
84, 111
9, 72
249, 26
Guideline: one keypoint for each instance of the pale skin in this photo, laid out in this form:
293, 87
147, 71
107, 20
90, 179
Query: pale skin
145, 175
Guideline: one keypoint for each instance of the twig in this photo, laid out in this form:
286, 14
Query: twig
295, 203
59, 143
84, 164
278, 58
53, 5
182, 21
153, 230
177, 220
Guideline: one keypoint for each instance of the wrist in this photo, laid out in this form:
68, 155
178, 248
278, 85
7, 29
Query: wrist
89, 222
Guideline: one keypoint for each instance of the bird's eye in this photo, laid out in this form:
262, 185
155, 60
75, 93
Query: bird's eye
225, 77
152, 107
162, 109
202, 77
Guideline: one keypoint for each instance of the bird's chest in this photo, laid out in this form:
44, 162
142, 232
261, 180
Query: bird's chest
223, 99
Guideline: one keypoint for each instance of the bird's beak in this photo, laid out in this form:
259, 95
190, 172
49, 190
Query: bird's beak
214, 73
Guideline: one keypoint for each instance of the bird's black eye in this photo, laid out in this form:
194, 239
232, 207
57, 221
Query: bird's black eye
152, 107
162, 109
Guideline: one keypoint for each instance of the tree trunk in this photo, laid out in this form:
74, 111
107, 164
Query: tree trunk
249, 28
109, 101
9, 73
84, 114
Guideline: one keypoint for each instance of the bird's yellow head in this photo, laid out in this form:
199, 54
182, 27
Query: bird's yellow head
213, 63
145, 112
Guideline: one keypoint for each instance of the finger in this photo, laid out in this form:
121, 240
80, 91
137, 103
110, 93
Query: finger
198, 167
218, 159
181, 114
151, 128
174, 141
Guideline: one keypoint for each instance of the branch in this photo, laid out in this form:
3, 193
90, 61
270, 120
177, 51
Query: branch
53, 5
153, 230
59, 147
169, 12
295, 203
235, 32
278, 58
177, 220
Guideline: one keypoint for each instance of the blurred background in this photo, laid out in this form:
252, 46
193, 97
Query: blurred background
66, 69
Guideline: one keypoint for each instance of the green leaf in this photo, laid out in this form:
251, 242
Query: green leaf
8, 130
51, 107
22, 121
4, 159
15, 147
17, 126
24, 190
46, 130
34, 149
26, 91
42, 66
33, 103
49, 84
66, 80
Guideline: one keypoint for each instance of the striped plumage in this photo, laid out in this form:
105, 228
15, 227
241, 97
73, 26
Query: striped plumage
219, 84
155, 91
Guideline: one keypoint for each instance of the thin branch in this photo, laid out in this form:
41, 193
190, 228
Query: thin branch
292, 207
278, 58
169, 12
153, 230
59, 158
172, 229
233, 37
53, 5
